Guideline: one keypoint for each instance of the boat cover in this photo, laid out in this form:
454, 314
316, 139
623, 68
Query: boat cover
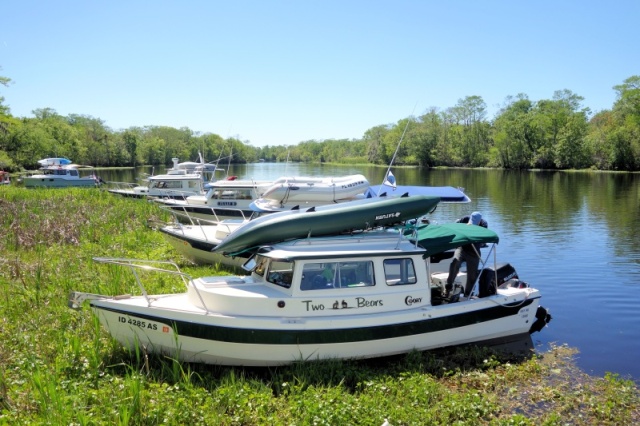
447, 194
438, 238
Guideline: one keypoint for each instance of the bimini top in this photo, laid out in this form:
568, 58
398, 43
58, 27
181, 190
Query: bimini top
447, 194
438, 238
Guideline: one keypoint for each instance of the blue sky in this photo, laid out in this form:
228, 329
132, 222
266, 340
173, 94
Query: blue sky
282, 72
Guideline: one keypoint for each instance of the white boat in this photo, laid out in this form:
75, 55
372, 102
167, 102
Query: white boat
239, 199
61, 173
179, 182
229, 198
305, 192
195, 238
342, 297
196, 241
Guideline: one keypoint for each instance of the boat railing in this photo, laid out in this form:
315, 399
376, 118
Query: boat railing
176, 194
183, 218
183, 211
120, 186
146, 265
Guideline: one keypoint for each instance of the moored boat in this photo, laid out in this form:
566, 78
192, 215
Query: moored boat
342, 297
195, 239
228, 198
178, 182
61, 173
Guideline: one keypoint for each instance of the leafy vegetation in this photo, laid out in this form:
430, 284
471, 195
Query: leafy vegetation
556, 133
58, 366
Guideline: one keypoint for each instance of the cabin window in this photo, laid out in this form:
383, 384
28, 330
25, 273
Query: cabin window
260, 265
73, 172
280, 273
170, 184
399, 271
319, 276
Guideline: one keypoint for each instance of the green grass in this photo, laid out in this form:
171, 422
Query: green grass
59, 367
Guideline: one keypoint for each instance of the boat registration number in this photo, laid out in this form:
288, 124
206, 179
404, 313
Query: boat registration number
147, 325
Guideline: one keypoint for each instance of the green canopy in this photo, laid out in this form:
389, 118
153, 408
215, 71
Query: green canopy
438, 238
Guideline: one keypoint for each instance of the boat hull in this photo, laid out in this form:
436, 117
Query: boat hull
177, 331
49, 182
195, 243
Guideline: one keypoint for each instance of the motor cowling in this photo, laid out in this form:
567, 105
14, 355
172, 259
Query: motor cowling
487, 285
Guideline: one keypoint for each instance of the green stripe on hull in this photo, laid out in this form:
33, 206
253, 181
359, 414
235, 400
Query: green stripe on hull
329, 336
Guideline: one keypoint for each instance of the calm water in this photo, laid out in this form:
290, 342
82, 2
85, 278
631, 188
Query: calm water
575, 236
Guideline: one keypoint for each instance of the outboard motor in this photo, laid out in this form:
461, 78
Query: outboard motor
487, 285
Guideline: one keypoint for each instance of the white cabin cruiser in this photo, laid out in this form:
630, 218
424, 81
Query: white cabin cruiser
61, 173
178, 182
343, 297
224, 199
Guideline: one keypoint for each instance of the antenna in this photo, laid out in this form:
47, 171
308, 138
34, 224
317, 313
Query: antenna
397, 147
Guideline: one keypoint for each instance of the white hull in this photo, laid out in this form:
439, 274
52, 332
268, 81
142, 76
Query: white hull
158, 336
48, 181
196, 242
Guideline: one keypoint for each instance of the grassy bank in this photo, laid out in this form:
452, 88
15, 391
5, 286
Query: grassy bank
57, 366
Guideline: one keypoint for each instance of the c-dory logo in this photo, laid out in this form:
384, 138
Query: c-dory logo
411, 300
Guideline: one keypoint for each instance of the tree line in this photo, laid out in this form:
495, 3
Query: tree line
557, 133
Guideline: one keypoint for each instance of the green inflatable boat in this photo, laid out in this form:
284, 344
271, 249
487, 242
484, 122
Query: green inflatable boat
326, 220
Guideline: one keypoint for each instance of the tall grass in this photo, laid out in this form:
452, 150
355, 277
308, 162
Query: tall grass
58, 366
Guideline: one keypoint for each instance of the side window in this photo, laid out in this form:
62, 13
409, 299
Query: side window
399, 272
320, 276
280, 273
261, 264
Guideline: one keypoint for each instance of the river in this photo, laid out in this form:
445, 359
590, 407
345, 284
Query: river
573, 235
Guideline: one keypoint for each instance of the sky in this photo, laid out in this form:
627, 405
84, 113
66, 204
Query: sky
281, 72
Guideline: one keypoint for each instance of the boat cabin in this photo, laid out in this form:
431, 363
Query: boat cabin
177, 183
60, 172
341, 275
225, 193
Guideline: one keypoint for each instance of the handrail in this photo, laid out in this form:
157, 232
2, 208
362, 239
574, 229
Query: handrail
147, 265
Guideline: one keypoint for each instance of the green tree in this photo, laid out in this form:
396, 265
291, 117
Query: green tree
625, 154
515, 134
374, 138
131, 142
4, 109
